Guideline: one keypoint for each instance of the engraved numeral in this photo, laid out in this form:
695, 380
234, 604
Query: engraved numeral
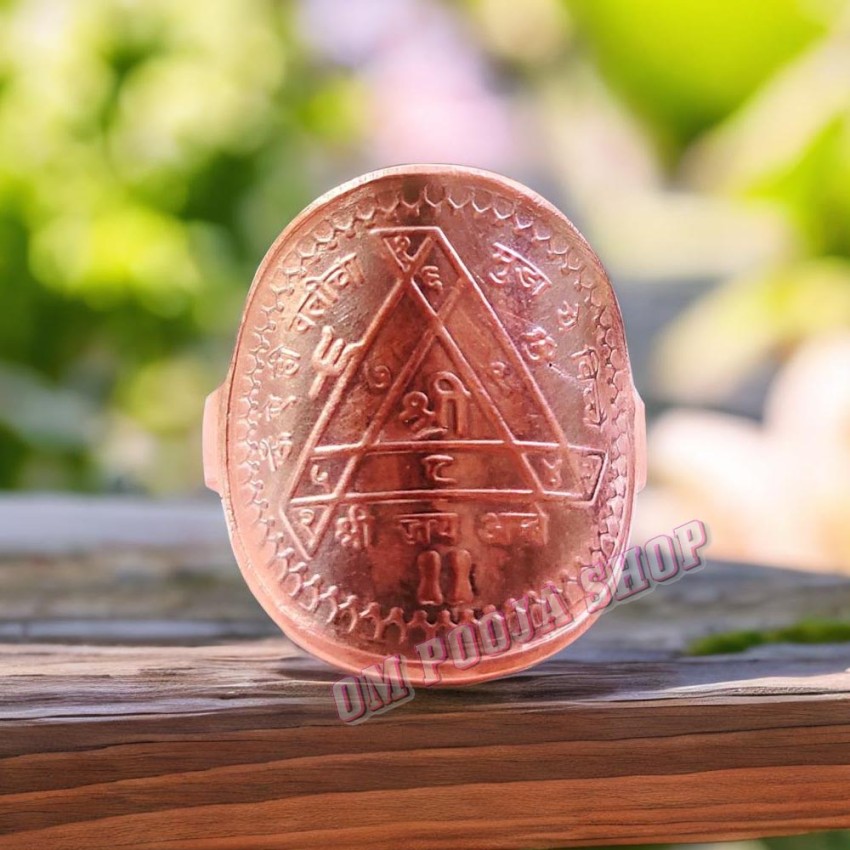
378, 377
500, 372
567, 316
553, 477
319, 477
434, 464
430, 276
538, 345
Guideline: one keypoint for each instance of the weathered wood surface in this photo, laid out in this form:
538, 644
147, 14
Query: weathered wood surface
237, 746
235, 743
134, 571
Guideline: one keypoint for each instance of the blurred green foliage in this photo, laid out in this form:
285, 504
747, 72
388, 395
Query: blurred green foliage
747, 103
148, 155
807, 631
150, 152
687, 64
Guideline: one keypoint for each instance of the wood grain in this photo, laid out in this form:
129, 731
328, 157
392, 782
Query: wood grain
238, 746
124, 735
109, 570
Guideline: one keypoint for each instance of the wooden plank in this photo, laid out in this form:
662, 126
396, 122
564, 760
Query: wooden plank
184, 736
238, 746
129, 570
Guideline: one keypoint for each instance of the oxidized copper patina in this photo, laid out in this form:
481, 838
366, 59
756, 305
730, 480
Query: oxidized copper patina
429, 416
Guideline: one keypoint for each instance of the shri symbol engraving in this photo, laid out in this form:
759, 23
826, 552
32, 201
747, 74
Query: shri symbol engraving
450, 413
355, 529
418, 416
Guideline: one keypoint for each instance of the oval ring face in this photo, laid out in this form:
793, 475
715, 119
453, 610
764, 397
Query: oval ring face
429, 422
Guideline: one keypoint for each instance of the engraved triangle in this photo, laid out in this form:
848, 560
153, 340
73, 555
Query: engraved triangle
308, 523
322, 474
577, 481
503, 373
439, 420
436, 404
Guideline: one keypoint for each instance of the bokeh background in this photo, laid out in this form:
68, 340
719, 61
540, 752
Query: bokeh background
150, 152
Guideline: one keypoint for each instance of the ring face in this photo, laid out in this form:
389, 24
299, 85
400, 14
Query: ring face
429, 418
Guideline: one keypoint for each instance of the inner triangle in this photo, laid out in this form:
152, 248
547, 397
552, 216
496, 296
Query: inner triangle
437, 404
437, 414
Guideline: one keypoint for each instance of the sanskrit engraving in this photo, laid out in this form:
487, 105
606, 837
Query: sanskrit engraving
330, 357
538, 345
588, 375
354, 530
284, 362
427, 528
324, 291
503, 528
514, 269
275, 450
567, 316
274, 406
